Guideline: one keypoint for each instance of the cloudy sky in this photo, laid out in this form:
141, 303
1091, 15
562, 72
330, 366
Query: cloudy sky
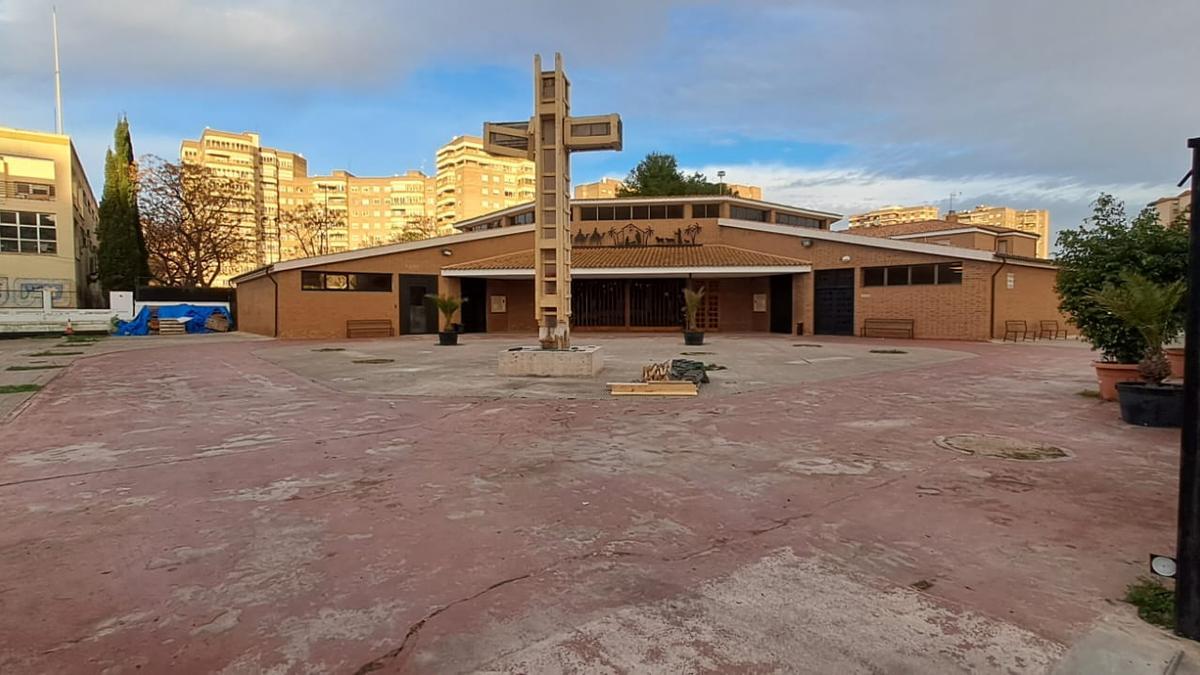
840, 105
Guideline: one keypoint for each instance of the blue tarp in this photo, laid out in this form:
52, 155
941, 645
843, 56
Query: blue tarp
196, 315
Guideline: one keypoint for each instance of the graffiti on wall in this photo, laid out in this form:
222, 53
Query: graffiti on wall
27, 293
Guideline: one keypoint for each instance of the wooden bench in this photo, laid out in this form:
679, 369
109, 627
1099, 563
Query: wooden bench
895, 328
1015, 328
368, 328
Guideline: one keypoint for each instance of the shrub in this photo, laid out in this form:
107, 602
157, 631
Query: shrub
1094, 256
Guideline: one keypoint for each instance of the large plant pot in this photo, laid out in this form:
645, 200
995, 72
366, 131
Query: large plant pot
1175, 356
1151, 405
1109, 374
693, 338
447, 338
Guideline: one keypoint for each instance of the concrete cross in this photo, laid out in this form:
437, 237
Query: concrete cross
549, 138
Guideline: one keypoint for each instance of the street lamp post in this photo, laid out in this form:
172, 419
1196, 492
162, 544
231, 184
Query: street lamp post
1187, 551
721, 182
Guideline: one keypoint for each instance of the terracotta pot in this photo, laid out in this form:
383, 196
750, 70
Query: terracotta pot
1175, 356
1109, 374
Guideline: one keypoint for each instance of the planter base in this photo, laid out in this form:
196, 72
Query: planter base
447, 338
1151, 405
693, 338
1109, 374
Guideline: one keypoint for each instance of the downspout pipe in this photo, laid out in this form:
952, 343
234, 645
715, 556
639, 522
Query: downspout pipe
275, 314
992, 310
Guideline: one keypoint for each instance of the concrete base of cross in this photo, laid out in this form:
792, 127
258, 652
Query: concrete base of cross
584, 361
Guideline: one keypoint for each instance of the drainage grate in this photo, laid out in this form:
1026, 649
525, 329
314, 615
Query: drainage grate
1003, 447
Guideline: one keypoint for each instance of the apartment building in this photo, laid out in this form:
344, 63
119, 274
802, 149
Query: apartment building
370, 210
48, 218
471, 182
275, 178
605, 188
1035, 221
894, 215
1170, 208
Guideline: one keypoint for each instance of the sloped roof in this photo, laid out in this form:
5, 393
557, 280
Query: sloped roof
641, 257
930, 226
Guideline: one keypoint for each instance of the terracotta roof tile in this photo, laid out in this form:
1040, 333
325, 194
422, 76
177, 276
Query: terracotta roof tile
609, 257
923, 226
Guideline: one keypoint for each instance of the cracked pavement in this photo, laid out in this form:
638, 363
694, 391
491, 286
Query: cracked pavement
203, 508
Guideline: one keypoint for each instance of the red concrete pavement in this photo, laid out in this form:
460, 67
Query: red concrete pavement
194, 509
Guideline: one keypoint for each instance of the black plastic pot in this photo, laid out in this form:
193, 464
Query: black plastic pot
693, 337
447, 338
1151, 405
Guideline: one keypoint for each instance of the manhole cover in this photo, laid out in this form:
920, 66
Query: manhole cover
1003, 448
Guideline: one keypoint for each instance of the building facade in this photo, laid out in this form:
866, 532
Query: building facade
1035, 221
1169, 209
275, 178
370, 210
765, 267
48, 218
1002, 241
471, 182
894, 215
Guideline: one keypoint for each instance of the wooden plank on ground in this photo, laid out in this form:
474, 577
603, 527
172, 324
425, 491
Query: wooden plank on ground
660, 388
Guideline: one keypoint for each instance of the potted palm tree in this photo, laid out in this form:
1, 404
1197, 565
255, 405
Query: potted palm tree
1151, 309
448, 305
692, 297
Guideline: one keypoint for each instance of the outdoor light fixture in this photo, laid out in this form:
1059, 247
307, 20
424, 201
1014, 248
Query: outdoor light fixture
806, 243
1162, 565
447, 252
845, 258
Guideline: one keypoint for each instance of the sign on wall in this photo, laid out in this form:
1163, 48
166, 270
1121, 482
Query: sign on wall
499, 304
760, 302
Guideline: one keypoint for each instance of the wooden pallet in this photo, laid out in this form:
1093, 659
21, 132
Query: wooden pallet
660, 388
170, 327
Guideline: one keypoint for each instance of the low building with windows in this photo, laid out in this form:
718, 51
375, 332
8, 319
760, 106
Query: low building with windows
764, 267
48, 218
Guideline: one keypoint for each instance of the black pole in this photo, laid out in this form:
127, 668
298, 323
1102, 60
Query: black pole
1187, 552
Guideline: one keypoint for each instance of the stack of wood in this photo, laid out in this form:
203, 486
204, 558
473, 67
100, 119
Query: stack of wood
677, 377
171, 327
218, 323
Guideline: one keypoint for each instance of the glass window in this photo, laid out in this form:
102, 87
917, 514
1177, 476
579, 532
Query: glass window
675, 210
641, 213
340, 281
623, 212
587, 213
872, 276
658, 212
799, 221
706, 210
897, 275
605, 213
922, 274
27, 232
743, 213
949, 273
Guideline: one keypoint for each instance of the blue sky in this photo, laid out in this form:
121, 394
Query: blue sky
840, 106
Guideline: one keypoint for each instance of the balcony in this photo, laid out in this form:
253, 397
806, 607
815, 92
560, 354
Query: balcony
15, 189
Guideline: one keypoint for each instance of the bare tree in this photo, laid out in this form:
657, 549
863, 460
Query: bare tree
192, 218
307, 229
417, 229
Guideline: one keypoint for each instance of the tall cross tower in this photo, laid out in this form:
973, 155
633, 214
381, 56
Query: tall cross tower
549, 138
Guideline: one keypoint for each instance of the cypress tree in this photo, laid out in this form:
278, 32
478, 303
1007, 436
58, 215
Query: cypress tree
122, 255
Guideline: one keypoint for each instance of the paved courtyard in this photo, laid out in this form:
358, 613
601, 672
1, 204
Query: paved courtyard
246, 506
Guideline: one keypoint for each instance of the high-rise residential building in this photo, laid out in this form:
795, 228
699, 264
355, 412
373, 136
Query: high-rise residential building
894, 215
1170, 208
1036, 221
605, 188
48, 218
472, 182
274, 177
372, 210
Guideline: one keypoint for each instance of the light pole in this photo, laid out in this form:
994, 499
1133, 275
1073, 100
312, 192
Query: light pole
721, 181
1187, 542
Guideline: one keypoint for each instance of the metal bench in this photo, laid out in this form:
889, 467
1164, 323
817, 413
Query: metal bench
1015, 328
368, 328
896, 328
1049, 329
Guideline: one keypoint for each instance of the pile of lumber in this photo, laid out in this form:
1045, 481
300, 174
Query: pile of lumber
171, 327
677, 377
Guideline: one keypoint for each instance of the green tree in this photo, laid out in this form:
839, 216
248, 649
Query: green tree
1096, 255
658, 175
122, 256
